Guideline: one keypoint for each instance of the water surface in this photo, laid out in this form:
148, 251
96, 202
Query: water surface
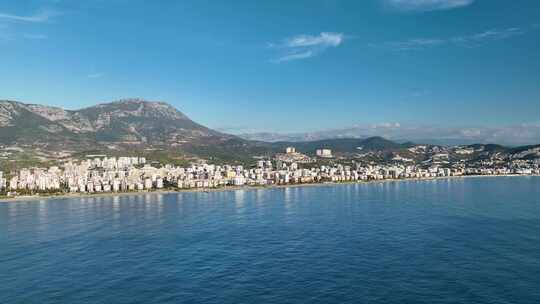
471, 240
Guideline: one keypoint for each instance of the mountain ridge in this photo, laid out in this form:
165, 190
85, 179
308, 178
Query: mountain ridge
137, 126
127, 120
509, 135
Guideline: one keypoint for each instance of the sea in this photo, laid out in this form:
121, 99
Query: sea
456, 240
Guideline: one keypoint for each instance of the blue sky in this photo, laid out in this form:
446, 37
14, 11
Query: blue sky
285, 66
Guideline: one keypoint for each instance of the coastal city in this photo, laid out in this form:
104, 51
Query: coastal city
102, 174
270, 152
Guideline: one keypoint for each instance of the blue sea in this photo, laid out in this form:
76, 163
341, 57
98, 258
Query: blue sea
468, 240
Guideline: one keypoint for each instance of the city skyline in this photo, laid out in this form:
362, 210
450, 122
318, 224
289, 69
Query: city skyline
281, 67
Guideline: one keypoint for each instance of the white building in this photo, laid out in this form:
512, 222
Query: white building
159, 183
148, 184
324, 153
239, 181
290, 150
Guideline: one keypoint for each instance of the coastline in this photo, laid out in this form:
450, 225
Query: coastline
31, 198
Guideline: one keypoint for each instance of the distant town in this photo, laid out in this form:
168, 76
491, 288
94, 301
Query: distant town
102, 174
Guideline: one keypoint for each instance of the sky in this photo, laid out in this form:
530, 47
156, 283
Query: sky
282, 66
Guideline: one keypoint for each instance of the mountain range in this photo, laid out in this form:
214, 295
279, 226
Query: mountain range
513, 135
130, 121
139, 126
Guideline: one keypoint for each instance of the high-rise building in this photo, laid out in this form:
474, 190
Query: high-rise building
324, 153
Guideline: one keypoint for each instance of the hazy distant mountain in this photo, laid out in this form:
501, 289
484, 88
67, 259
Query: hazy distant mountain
524, 134
130, 121
343, 145
306, 136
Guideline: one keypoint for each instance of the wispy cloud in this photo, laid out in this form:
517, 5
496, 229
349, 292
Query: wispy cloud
490, 35
411, 44
296, 56
472, 40
9, 24
95, 75
40, 17
324, 40
426, 5
306, 46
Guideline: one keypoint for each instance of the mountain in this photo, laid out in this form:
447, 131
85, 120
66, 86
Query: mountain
126, 127
307, 136
343, 145
21, 123
511, 135
130, 121
37, 133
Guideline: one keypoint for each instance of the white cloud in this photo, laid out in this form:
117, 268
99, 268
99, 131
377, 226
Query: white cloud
324, 39
412, 44
41, 17
295, 56
427, 5
489, 35
306, 46
463, 41
10, 22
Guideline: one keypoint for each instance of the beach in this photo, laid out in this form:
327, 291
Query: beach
28, 198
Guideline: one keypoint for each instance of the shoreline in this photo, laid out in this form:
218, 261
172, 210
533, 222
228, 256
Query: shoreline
30, 198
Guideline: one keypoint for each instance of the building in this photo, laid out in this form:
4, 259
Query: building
324, 153
159, 183
3, 182
130, 174
290, 150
